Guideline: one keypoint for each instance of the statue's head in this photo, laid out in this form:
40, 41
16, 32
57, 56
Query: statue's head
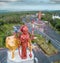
24, 29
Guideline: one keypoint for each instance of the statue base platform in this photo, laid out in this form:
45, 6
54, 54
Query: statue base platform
17, 58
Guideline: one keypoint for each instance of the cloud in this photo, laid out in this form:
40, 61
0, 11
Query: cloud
56, 0
30, 7
22, 6
8, 0
3, 3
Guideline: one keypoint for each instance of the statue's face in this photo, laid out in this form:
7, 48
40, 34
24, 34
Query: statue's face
24, 32
25, 29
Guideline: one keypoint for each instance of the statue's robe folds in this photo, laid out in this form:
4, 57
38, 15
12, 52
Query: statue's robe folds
24, 43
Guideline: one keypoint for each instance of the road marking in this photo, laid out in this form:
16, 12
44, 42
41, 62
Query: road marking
36, 60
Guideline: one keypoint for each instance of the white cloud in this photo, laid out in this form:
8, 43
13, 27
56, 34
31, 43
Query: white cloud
19, 6
9, 0
12, 0
56, 0
3, 3
30, 7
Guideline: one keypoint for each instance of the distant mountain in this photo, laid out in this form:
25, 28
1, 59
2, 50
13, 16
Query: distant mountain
7, 11
3, 11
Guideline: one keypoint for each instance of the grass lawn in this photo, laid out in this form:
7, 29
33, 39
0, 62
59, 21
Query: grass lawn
48, 48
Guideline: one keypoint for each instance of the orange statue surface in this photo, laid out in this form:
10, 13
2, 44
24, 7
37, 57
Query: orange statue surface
25, 42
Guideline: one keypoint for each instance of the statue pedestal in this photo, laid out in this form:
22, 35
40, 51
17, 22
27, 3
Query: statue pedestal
17, 58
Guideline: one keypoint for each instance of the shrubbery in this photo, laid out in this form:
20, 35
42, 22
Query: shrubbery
54, 22
7, 21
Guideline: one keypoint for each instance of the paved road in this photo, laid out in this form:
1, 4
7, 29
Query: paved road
53, 36
52, 33
55, 57
3, 55
42, 58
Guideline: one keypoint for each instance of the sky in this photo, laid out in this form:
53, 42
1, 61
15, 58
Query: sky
29, 5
